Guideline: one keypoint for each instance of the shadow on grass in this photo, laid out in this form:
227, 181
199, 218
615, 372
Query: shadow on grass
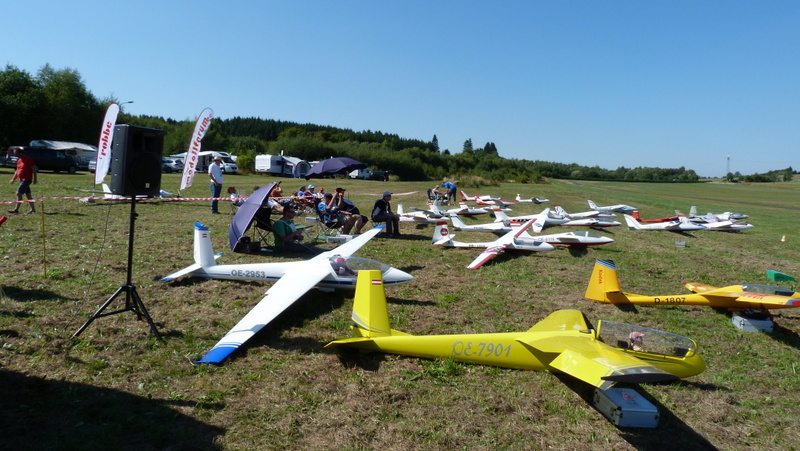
671, 429
23, 295
49, 414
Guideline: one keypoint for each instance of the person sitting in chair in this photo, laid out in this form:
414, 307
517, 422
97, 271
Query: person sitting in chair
235, 199
328, 212
287, 237
348, 212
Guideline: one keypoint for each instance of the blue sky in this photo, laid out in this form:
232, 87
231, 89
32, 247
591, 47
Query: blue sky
606, 83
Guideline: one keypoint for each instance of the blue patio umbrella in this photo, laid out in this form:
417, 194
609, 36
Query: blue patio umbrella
244, 216
333, 166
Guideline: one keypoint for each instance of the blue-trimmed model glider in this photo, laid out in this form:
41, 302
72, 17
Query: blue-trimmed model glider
333, 269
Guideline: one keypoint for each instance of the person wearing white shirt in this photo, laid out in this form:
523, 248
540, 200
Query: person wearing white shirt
215, 173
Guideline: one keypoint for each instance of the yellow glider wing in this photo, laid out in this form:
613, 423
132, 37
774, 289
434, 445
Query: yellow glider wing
595, 362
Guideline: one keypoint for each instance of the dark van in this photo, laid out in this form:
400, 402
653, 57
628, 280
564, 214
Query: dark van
46, 159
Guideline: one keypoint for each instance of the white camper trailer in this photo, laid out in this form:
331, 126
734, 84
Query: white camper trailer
269, 164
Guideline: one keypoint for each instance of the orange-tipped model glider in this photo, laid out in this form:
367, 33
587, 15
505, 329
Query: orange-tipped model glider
604, 287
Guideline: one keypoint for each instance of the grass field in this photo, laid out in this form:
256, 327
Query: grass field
116, 387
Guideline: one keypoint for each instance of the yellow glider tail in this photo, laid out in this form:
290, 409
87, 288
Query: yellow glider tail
370, 318
604, 284
370, 315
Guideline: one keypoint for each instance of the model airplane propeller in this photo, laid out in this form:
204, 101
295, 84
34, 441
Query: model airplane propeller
329, 270
562, 342
604, 287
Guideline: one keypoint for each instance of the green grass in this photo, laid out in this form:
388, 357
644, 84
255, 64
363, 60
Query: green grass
117, 387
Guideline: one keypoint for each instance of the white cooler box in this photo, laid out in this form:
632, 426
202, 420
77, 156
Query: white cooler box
626, 408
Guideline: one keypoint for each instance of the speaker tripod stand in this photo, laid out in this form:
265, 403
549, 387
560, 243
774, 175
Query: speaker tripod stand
133, 303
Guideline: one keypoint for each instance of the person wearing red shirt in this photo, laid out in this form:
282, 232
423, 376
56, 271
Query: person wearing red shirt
26, 175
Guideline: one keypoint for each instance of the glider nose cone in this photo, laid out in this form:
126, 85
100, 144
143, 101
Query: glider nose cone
394, 275
542, 246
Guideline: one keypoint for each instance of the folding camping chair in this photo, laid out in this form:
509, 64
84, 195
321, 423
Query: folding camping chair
328, 224
262, 227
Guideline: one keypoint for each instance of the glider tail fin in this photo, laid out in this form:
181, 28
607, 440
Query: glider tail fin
633, 224
635, 215
500, 215
370, 316
464, 196
441, 234
593, 206
400, 210
457, 222
203, 252
693, 211
604, 284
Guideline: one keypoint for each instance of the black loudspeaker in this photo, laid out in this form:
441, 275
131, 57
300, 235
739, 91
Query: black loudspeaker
136, 161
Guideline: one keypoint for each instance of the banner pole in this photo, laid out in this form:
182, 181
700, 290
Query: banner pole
44, 242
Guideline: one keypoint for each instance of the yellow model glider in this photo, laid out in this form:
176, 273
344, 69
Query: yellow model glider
564, 341
604, 287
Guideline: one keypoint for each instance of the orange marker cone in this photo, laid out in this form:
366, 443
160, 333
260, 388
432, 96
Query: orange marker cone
783, 239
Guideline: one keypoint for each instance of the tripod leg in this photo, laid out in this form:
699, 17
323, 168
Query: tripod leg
141, 310
99, 311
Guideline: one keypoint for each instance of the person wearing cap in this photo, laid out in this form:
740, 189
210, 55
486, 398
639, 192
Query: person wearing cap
287, 237
215, 173
382, 212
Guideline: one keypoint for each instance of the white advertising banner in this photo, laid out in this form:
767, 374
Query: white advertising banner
104, 146
190, 163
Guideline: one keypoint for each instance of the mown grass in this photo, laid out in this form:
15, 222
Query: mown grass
117, 387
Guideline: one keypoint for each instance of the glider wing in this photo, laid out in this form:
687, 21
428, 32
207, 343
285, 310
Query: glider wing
595, 362
295, 282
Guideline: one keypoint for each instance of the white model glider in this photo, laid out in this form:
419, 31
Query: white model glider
486, 200
515, 240
535, 200
712, 223
560, 211
572, 239
681, 225
462, 210
419, 217
332, 269
619, 208
550, 220
708, 217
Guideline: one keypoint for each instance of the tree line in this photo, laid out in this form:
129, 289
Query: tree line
56, 104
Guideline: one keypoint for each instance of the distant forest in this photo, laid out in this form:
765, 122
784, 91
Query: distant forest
55, 104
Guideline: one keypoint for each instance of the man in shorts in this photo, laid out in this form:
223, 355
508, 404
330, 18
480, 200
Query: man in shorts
26, 174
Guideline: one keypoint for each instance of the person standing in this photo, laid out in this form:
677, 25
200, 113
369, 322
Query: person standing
26, 173
451, 191
215, 173
382, 212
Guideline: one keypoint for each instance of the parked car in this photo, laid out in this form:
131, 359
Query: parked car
170, 165
55, 160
